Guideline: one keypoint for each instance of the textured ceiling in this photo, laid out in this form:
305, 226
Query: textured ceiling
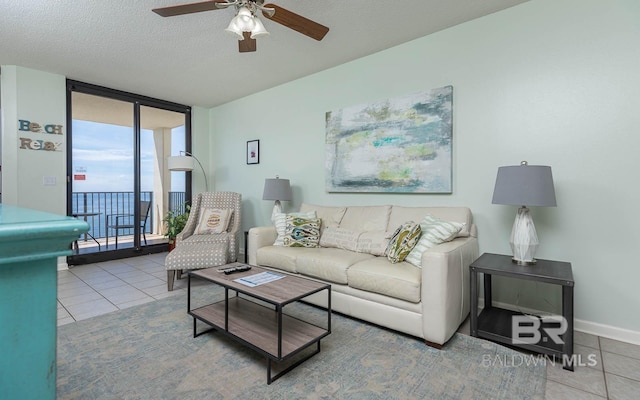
189, 59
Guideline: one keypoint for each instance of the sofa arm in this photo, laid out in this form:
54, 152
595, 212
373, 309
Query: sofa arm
259, 237
445, 287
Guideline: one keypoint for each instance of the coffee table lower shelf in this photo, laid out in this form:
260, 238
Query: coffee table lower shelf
257, 327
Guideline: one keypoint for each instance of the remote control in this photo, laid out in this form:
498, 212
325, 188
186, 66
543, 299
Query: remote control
237, 269
228, 269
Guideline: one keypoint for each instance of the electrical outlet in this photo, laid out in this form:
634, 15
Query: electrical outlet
49, 180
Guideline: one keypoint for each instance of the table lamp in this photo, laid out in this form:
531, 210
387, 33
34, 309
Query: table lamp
524, 185
279, 190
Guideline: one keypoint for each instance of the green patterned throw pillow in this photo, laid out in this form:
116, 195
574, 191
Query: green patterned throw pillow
302, 232
403, 241
281, 224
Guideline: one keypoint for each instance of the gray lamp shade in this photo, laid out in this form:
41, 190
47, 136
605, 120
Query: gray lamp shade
525, 185
277, 189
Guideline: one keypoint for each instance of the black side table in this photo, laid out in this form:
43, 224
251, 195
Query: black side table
496, 324
246, 247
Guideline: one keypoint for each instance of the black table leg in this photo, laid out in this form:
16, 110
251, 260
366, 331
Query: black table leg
567, 313
474, 302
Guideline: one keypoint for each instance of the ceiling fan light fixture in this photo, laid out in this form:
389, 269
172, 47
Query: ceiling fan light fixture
258, 29
245, 26
234, 30
244, 19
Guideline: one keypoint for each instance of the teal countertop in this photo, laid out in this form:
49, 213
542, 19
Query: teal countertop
27, 234
30, 242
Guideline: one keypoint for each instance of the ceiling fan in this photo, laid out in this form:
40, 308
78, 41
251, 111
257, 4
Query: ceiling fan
245, 25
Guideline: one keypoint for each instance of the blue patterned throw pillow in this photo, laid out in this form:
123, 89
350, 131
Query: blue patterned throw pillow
302, 232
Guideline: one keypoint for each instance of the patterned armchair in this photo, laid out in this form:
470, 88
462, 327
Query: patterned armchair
195, 251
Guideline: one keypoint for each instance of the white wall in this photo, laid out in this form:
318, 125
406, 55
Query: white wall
551, 82
201, 142
38, 97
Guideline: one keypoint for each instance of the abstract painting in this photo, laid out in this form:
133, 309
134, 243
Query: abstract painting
399, 145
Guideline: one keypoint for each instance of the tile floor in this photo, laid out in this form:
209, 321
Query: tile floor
610, 369
88, 290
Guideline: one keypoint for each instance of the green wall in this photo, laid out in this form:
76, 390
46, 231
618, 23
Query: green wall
38, 97
551, 82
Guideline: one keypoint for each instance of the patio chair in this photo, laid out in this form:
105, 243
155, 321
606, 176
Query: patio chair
198, 248
120, 222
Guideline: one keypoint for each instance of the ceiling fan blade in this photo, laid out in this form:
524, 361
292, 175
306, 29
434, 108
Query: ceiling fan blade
296, 22
190, 8
247, 44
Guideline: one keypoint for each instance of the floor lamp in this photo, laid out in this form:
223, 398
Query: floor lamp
524, 185
185, 163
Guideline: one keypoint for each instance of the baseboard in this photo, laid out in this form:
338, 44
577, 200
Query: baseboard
62, 264
593, 328
608, 331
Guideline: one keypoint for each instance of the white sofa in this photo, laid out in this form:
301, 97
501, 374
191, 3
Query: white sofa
428, 302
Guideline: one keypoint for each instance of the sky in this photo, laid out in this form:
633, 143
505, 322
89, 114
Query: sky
103, 154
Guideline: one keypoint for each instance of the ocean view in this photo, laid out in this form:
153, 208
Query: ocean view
94, 207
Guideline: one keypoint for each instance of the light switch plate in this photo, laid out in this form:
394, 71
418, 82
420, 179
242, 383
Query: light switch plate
49, 180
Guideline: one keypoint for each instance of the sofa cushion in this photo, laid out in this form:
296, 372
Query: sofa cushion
280, 222
329, 216
434, 232
403, 241
456, 214
373, 242
340, 238
378, 275
370, 218
328, 264
302, 232
280, 257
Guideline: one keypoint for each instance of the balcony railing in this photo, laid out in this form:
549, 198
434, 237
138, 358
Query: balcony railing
177, 202
95, 206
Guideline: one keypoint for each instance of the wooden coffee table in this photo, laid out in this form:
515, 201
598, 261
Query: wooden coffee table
264, 328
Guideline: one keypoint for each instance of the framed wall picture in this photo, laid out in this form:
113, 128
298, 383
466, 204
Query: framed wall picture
253, 152
397, 145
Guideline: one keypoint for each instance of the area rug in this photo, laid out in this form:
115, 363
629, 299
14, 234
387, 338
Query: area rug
148, 352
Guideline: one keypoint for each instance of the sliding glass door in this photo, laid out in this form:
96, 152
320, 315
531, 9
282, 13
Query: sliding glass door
162, 135
118, 180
